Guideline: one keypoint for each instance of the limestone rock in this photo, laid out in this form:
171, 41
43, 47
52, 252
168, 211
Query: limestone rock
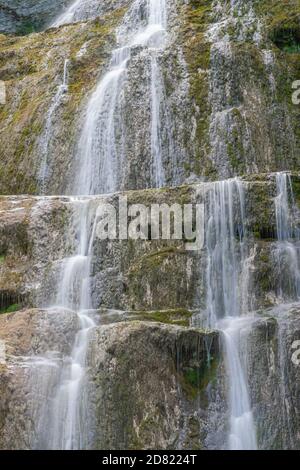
181, 366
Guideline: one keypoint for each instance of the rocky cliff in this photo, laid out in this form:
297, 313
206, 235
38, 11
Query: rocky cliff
157, 359
146, 295
24, 17
225, 69
122, 369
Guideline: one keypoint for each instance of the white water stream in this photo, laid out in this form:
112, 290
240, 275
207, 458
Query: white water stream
44, 145
226, 259
64, 422
288, 250
66, 417
68, 429
100, 145
100, 162
69, 15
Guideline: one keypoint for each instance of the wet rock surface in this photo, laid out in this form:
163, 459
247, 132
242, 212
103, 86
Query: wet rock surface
24, 17
227, 96
125, 358
134, 275
155, 378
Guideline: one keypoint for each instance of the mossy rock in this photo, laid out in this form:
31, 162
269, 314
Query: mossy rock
180, 317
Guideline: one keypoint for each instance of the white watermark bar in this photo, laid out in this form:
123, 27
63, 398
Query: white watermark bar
2, 92
296, 94
2, 353
296, 353
152, 222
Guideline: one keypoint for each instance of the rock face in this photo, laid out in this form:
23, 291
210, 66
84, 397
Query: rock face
147, 294
169, 365
22, 384
274, 377
23, 17
121, 371
225, 69
136, 275
153, 386
156, 370
39, 116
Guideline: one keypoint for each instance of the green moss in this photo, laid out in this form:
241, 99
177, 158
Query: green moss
191, 376
196, 18
292, 48
180, 317
11, 308
296, 189
149, 424
278, 16
27, 27
155, 259
263, 277
195, 380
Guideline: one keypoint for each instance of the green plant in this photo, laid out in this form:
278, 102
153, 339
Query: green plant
11, 308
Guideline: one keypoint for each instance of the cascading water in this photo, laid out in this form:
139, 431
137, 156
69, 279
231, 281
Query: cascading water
100, 146
287, 251
69, 416
79, 10
64, 424
69, 15
226, 257
287, 259
48, 128
242, 429
100, 160
223, 259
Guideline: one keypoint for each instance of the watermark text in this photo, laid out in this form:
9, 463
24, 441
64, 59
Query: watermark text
152, 222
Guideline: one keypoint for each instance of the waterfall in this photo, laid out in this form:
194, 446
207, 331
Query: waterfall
287, 250
80, 10
64, 420
287, 260
226, 248
64, 424
100, 149
69, 15
223, 263
48, 129
242, 430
